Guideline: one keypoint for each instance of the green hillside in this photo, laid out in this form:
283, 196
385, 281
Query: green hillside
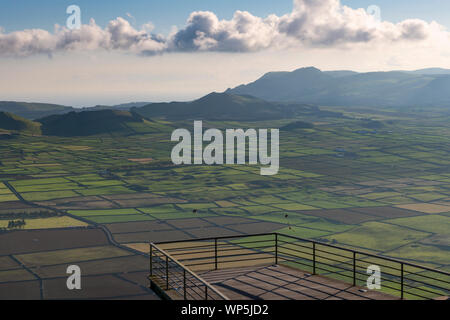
90, 123
12, 122
33, 110
223, 106
428, 87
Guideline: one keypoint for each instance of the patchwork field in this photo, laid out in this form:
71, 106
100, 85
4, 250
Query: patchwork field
97, 201
34, 264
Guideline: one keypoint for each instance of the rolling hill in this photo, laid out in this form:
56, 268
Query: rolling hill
87, 123
12, 122
123, 106
33, 110
222, 106
427, 87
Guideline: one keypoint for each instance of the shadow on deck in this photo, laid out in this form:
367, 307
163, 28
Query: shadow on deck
276, 266
278, 282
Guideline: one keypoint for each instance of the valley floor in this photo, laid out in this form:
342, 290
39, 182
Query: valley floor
97, 201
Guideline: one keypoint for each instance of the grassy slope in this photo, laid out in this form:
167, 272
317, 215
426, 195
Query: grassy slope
32, 110
89, 123
12, 122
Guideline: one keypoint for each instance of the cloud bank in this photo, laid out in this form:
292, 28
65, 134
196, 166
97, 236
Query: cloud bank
312, 23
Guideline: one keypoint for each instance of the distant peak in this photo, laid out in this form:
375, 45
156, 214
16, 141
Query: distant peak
215, 95
308, 69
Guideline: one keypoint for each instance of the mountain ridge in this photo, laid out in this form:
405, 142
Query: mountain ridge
33, 110
15, 123
424, 87
222, 106
87, 123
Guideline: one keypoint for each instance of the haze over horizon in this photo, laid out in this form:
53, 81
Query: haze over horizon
124, 54
437, 70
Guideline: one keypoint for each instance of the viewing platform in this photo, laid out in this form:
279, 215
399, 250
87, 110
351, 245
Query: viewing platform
280, 267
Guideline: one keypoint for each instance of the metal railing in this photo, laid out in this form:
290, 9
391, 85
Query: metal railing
398, 278
176, 280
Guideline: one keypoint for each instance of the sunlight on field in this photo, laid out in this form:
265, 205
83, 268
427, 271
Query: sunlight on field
48, 223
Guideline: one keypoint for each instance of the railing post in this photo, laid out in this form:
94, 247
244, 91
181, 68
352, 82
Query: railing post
314, 258
276, 248
354, 268
184, 283
401, 281
151, 260
215, 253
167, 273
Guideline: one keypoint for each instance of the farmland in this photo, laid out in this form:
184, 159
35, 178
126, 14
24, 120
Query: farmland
97, 200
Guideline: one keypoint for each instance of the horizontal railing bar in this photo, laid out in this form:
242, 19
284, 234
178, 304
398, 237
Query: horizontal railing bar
424, 276
329, 265
338, 271
287, 250
189, 271
349, 276
378, 264
218, 238
294, 243
283, 258
369, 255
195, 293
230, 255
295, 250
230, 248
427, 284
313, 241
415, 294
346, 270
323, 257
228, 261
213, 244
320, 256
331, 253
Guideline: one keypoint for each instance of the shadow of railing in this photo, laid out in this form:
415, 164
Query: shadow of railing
174, 265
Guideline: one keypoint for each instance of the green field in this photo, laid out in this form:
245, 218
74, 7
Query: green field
332, 179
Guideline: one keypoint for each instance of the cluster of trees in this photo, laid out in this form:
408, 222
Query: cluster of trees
28, 215
16, 224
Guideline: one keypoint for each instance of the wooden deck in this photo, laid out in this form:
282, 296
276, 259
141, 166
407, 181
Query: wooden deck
277, 282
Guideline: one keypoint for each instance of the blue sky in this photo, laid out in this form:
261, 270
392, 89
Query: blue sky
23, 14
122, 62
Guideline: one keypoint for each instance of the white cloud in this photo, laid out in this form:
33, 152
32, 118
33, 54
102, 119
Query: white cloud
312, 23
118, 35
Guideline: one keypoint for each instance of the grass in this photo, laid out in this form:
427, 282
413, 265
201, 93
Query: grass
378, 236
41, 196
422, 253
103, 212
119, 218
426, 207
294, 206
17, 275
304, 233
328, 226
105, 191
431, 223
407, 168
48, 223
258, 209
70, 255
181, 215
280, 217
192, 206
7, 197
38, 182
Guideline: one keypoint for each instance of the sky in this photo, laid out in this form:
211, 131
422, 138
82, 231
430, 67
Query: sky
164, 50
